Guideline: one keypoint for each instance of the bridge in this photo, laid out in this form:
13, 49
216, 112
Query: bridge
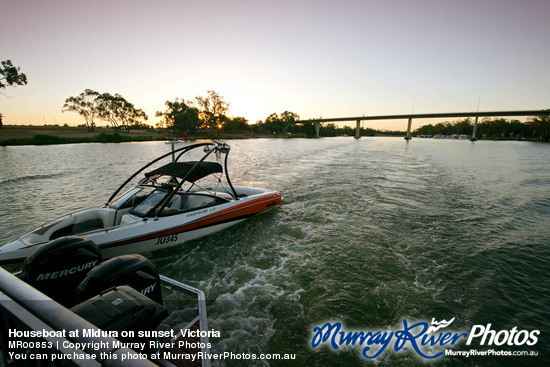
410, 117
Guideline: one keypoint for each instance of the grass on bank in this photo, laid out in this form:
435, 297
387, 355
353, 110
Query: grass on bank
44, 139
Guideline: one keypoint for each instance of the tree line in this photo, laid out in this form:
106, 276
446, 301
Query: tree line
537, 127
209, 114
206, 114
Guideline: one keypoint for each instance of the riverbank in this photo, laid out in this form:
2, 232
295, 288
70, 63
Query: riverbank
44, 135
47, 135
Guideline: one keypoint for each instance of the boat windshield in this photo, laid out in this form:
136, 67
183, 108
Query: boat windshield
149, 203
124, 199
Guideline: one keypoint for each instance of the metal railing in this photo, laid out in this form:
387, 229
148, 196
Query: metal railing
201, 318
23, 308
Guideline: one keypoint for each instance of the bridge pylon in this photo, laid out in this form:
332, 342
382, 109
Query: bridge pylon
408, 137
358, 130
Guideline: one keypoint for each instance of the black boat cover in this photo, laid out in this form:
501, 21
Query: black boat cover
181, 169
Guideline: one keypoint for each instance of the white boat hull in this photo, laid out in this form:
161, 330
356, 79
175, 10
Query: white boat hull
140, 235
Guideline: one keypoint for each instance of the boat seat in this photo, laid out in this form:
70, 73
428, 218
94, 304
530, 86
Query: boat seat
128, 218
177, 202
224, 195
198, 201
220, 194
176, 205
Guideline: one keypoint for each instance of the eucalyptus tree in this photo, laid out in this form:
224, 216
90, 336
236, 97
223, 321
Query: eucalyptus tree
540, 126
273, 123
85, 104
282, 123
289, 120
120, 113
212, 108
180, 115
10, 76
236, 125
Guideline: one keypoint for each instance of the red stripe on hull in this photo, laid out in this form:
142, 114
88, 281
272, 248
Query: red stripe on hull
227, 215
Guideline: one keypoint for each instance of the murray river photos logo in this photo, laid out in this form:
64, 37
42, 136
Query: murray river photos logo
429, 341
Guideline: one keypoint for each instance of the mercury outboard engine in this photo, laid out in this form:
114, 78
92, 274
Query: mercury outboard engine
133, 270
122, 308
60, 265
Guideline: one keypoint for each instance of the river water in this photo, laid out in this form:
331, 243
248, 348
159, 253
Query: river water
370, 232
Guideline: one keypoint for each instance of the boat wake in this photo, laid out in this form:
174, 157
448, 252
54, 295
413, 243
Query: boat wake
28, 178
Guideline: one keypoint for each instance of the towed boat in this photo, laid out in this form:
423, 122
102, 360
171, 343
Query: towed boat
176, 202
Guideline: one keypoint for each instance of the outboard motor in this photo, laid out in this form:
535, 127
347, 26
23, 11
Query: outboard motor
122, 308
133, 270
58, 267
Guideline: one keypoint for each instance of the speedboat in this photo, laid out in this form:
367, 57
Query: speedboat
171, 204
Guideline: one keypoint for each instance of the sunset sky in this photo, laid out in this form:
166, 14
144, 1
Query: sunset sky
316, 58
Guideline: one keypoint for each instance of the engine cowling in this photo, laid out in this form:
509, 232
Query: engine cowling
133, 270
59, 266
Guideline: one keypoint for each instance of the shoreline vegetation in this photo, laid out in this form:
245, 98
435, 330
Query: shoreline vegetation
11, 135
14, 135
18, 135
207, 117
